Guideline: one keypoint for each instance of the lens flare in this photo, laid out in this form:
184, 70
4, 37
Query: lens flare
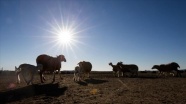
65, 32
64, 37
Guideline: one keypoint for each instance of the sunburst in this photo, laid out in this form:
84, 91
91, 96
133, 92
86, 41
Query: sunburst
65, 35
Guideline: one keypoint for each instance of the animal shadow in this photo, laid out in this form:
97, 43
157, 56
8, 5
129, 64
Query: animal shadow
91, 81
82, 83
95, 81
30, 91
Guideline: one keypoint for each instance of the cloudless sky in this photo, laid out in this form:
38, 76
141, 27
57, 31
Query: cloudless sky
141, 32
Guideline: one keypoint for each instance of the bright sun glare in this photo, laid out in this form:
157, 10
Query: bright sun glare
64, 33
65, 37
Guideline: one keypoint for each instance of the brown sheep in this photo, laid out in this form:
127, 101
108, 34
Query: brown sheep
115, 69
173, 66
50, 64
131, 68
84, 68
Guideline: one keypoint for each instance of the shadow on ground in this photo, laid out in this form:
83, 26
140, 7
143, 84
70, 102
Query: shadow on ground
32, 90
92, 81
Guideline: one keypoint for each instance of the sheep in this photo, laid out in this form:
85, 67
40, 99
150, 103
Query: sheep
27, 71
84, 68
131, 68
168, 68
115, 69
76, 74
50, 64
159, 69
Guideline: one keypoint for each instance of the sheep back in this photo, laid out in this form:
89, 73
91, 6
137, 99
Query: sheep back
49, 62
169, 66
86, 66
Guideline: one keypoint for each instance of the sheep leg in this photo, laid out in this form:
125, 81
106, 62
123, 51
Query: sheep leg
53, 77
178, 73
60, 74
28, 82
159, 74
74, 78
25, 78
172, 74
115, 73
118, 73
136, 74
32, 79
122, 74
82, 76
78, 79
41, 76
18, 79
88, 75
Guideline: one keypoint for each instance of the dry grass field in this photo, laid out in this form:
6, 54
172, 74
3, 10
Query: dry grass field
101, 88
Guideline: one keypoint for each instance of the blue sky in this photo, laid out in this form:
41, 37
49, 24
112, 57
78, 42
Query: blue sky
141, 32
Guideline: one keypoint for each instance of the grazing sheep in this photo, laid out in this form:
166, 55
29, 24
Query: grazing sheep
50, 64
28, 71
168, 68
115, 69
84, 68
131, 68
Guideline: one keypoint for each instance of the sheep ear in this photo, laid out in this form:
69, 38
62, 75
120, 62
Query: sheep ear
16, 68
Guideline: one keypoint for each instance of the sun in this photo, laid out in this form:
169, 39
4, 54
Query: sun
64, 33
65, 37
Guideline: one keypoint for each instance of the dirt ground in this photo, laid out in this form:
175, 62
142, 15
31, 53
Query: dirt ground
101, 88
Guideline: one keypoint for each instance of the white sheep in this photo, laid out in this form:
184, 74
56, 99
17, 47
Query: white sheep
76, 74
28, 71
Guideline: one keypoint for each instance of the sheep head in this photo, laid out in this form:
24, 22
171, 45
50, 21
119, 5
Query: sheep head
155, 67
61, 58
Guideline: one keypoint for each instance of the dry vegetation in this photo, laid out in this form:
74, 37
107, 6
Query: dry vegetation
102, 88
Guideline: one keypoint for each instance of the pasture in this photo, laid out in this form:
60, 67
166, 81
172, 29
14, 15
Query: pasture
101, 88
